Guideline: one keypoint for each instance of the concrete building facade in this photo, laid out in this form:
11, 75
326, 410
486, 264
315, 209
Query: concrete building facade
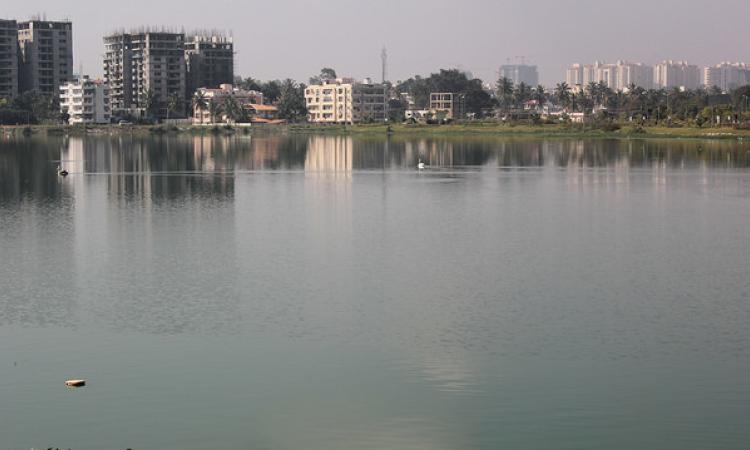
346, 101
146, 67
209, 62
726, 76
520, 73
45, 55
449, 104
676, 74
8, 59
618, 76
85, 101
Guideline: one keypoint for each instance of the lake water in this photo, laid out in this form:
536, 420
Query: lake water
318, 292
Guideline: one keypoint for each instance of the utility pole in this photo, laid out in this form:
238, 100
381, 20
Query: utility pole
384, 61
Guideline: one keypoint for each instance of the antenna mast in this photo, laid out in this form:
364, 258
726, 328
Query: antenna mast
384, 61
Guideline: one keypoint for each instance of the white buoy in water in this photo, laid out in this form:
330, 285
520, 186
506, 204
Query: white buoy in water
420, 166
75, 383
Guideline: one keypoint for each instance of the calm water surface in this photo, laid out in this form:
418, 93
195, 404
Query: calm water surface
317, 292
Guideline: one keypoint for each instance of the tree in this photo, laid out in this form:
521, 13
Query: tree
214, 110
540, 95
232, 109
174, 104
271, 91
562, 94
250, 84
292, 101
521, 94
504, 92
326, 74
147, 102
200, 102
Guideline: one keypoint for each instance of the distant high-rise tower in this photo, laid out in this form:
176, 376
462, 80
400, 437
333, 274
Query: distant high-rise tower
520, 73
46, 55
384, 61
8, 58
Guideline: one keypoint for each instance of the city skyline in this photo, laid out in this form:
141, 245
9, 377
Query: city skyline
271, 39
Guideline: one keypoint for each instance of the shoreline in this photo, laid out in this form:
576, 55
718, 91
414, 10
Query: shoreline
417, 130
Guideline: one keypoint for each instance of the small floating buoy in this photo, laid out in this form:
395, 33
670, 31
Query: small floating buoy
75, 383
420, 165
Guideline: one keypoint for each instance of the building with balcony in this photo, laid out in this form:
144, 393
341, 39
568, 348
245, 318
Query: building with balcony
145, 70
346, 101
45, 55
676, 74
726, 76
85, 101
8, 59
209, 62
448, 105
618, 76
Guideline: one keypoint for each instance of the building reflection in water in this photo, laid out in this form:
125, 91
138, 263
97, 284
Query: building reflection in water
330, 155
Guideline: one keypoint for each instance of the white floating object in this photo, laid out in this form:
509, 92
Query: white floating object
420, 166
75, 383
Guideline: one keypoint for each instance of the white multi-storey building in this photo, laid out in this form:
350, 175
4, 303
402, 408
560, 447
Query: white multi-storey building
346, 101
676, 74
726, 76
617, 76
85, 101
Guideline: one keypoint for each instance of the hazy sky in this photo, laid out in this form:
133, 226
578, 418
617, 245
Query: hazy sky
295, 38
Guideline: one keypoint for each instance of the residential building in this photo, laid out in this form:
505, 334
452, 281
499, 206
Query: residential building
45, 55
209, 62
676, 74
146, 70
346, 101
618, 76
520, 73
248, 100
450, 105
726, 76
8, 59
85, 101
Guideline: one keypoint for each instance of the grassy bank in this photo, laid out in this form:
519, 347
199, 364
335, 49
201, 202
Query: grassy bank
416, 130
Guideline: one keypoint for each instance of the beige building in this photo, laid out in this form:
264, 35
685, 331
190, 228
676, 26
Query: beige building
450, 105
616, 76
346, 101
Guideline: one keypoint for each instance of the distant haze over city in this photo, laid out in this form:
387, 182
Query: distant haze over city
295, 38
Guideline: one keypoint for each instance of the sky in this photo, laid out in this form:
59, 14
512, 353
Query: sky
276, 39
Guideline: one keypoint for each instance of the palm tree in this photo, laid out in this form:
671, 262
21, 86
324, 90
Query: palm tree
147, 102
232, 109
562, 92
173, 104
214, 110
540, 95
200, 102
504, 92
521, 94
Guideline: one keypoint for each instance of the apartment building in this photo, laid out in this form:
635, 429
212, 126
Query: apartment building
8, 59
45, 55
146, 67
726, 76
520, 73
618, 76
209, 61
85, 101
449, 104
676, 74
346, 101
249, 100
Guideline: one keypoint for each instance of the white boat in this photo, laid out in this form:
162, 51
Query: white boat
75, 383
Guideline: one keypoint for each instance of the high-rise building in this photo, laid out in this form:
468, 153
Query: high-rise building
46, 55
85, 101
346, 101
676, 74
146, 70
8, 59
617, 76
209, 61
520, 73
726, 76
